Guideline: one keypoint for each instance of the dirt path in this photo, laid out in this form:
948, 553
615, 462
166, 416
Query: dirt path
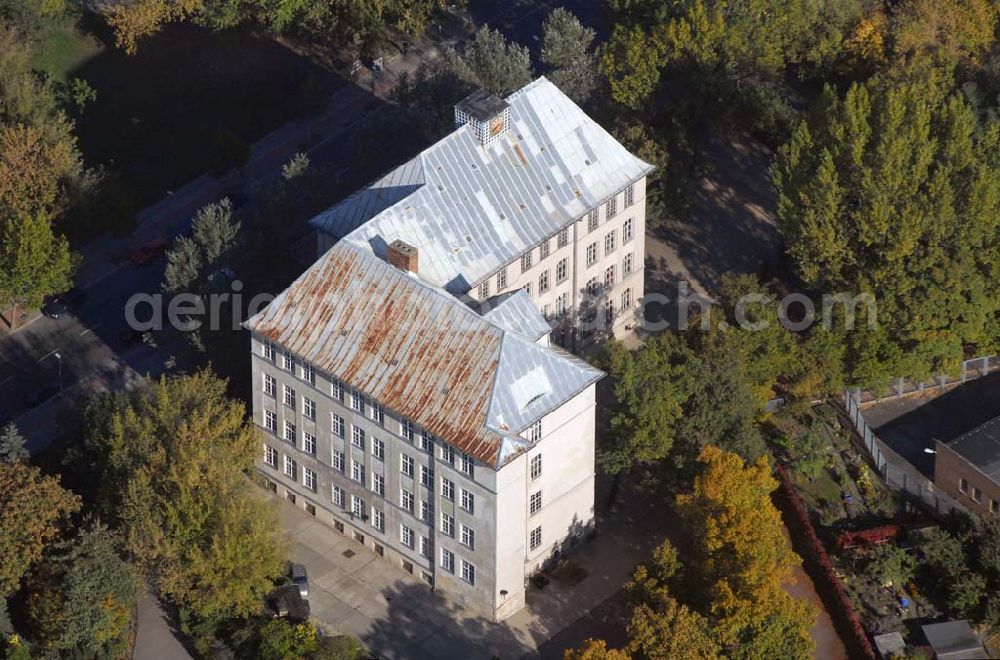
828, 643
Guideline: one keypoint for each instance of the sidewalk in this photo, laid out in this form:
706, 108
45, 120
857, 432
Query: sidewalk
155, 638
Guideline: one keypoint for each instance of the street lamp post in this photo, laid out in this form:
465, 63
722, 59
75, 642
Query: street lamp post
59, 360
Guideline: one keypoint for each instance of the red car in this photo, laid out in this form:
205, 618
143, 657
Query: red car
150, 252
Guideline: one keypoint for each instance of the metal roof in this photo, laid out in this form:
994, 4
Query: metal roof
420, 352
981, 447
515, 312
470, 209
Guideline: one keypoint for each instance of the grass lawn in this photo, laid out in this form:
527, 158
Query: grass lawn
159, 114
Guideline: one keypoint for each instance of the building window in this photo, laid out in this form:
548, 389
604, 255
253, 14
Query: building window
468, 537
609, 276
286, 361
270, 456
378, 484
535, 431
592, 220
536, 538
994, 506
543, 282
561, 304
501, 279
357, 506
270, 385
425, 549
468, 501
609, 242
427, 476
291, 468
309, 408
592, 254
627, 264
468, 572
536, 466
337, 459
427, 441
337, 390
406, 500
289, 397
406, 465
629, 196
535, 504
338, 496
358, 437
378, 414
467, 464
963, 485
563, 239
358, 402
448, 560
626, 300
561, 271
308, 373
448, 489
378, 519
447, 525
378, 449
309, 479
267, 349
308, 443
406, 429
628, 230
611, 208
358, 471
543, 249
271, 421
527, 288
592, 286
484, 290
427, 511
526, 261
448, 454
337, 425
977, 495
609, 312
406, 536
290, 435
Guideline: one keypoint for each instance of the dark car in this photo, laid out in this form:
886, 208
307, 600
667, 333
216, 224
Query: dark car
150, 252
59, 306
55, 308
40, 396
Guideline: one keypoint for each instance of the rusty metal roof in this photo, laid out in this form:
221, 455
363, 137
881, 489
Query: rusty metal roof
420, 352
470, 208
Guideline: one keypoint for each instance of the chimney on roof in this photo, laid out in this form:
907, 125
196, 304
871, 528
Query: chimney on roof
487, 114
404, 256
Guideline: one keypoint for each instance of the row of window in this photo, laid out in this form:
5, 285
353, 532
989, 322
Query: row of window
976, 494
375, 412
562, 240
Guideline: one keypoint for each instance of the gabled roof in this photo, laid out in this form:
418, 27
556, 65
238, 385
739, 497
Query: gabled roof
516, 313
981, 447
471, 209
420, 352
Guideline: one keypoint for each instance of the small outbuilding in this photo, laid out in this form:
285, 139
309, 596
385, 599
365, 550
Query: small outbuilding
954, 640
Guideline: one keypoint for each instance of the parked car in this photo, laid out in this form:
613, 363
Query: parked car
301, 578
150, 252
70, 300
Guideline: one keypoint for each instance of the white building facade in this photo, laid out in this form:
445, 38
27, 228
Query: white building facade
456, 445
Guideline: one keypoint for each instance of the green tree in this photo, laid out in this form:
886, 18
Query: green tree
595, 649
175, 458
566, 51
491, 62
891, 565
668, 630
650, 386
895, 192
12, 444
34, 508
81, 597
282, 640
34, 262
190, 260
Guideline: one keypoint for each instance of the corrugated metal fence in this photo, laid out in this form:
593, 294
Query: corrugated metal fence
896, 471
900, 387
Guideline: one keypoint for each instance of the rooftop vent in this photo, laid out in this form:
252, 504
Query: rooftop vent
403, 256
487, 114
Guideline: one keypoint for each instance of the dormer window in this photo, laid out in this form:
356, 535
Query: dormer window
487, 115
